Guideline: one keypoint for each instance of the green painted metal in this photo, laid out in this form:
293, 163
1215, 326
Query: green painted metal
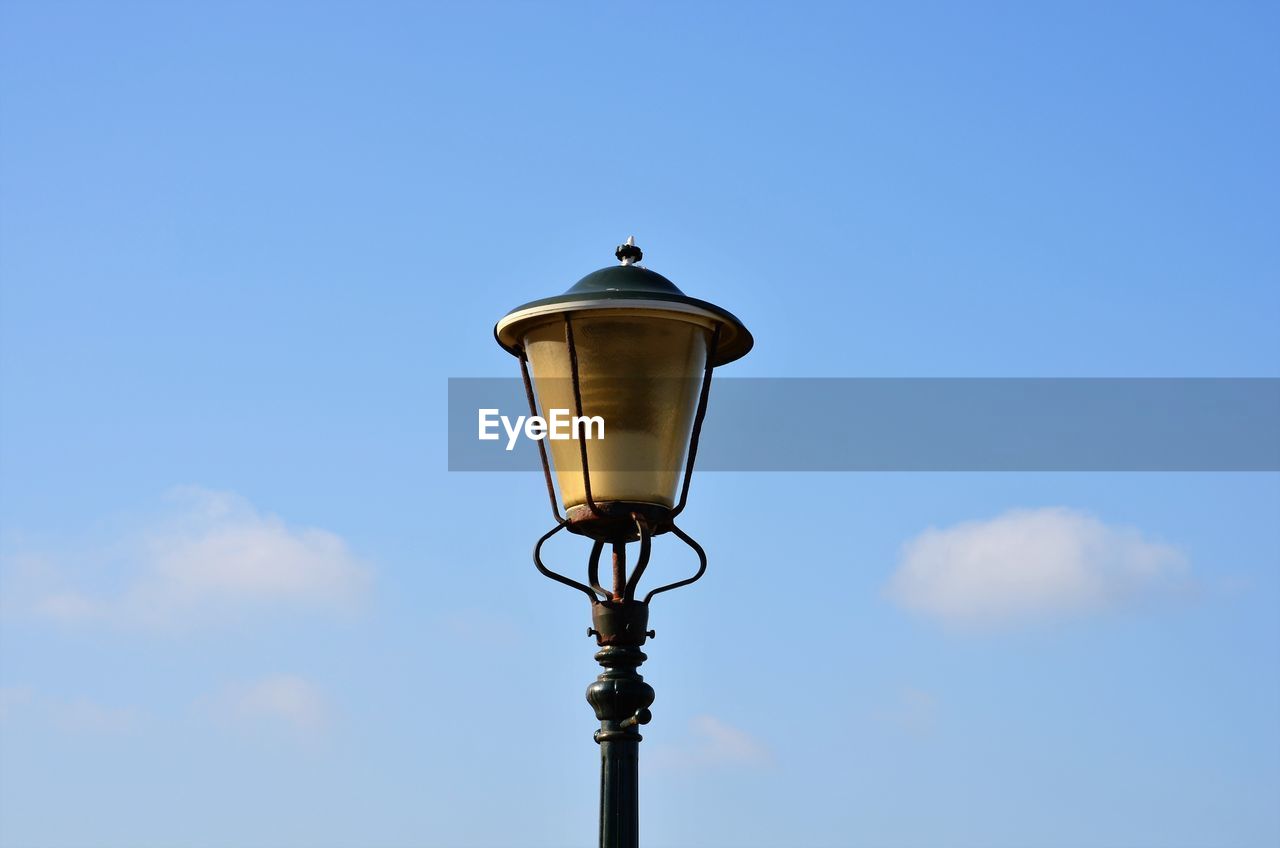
621, 699
624, 284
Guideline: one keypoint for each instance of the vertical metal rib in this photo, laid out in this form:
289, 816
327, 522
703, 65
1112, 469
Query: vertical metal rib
697, 420
577, 400
542, 446
619, 570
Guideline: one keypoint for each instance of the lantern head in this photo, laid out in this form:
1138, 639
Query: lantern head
625, 357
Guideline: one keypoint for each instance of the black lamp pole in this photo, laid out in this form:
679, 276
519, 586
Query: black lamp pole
621, 700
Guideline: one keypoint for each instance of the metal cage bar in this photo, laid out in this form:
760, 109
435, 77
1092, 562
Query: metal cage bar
542, 447
577, 400
698, 418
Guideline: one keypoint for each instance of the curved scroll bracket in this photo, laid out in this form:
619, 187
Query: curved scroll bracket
702, 565
593, 568
559, 578
624, 589
646, 541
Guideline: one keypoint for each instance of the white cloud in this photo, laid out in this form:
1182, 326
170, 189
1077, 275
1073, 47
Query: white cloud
1030, 564
79, 715
712, 744
282, 699
213, 555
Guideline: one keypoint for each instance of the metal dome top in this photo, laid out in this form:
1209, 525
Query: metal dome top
627, 286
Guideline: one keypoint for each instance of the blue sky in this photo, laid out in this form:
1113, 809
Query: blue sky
242, 248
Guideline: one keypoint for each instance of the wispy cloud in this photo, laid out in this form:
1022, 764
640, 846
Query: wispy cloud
712, 743
75, 715
283, 700
211, 554
1030, 564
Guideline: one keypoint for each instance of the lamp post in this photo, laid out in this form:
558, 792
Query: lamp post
623, 345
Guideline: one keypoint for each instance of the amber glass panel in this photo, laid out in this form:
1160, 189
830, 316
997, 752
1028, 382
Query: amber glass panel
642, 374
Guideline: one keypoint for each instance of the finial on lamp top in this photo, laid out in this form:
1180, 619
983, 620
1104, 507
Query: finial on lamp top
629, 254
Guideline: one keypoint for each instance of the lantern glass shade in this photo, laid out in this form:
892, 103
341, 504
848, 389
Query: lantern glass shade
640, 371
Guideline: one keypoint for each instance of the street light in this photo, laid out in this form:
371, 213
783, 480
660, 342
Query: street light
624, 345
